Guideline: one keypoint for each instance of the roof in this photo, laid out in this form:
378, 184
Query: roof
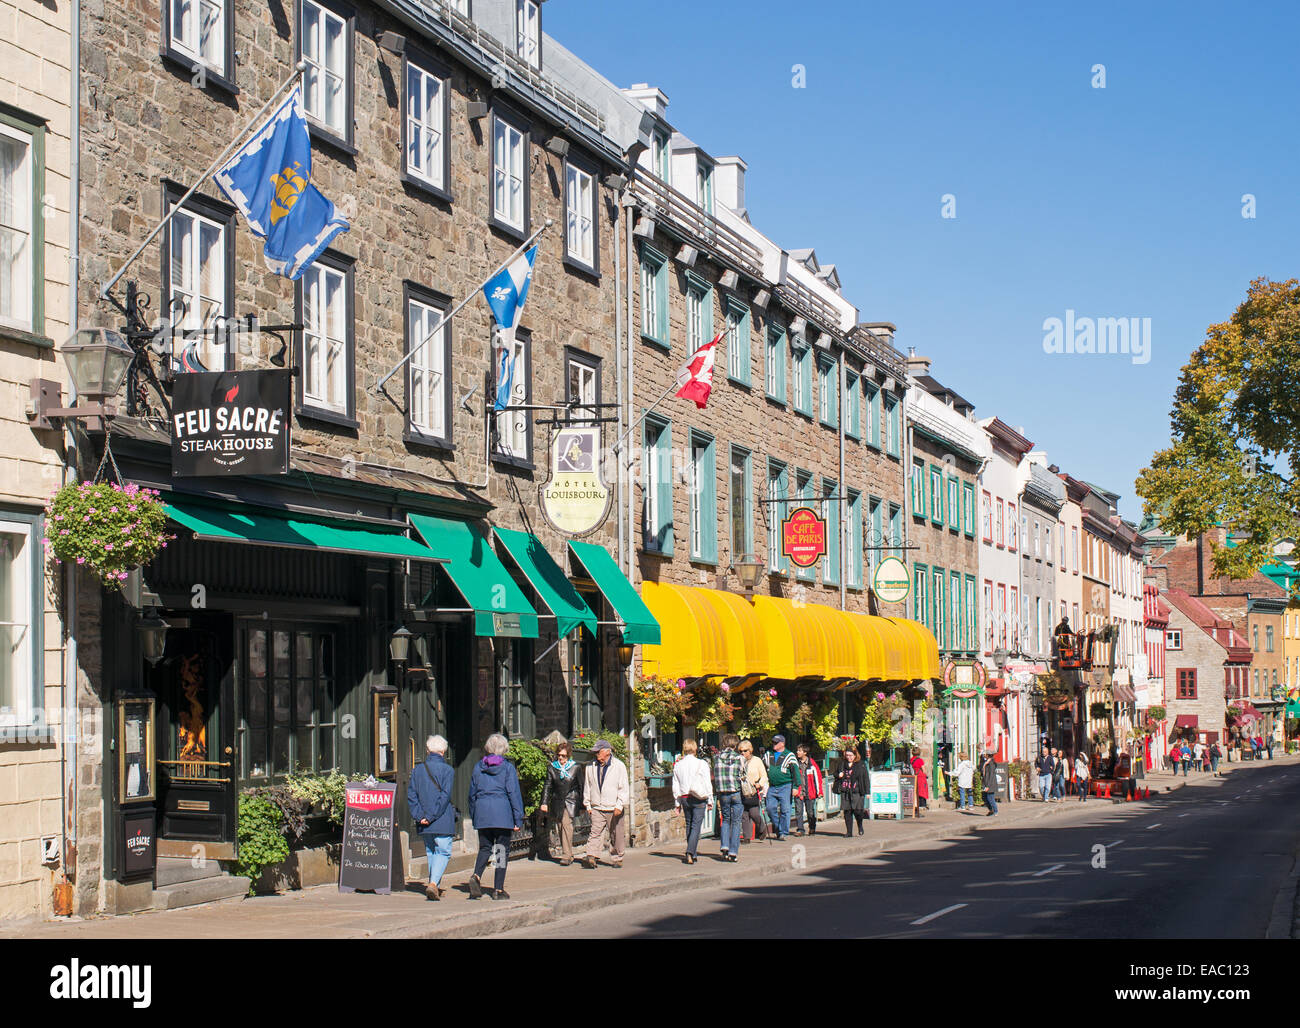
936, 388
1217, 628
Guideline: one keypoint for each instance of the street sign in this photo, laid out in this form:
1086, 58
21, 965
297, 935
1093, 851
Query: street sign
803, 537
892, 581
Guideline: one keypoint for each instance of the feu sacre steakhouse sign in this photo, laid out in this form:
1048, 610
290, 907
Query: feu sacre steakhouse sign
230, 423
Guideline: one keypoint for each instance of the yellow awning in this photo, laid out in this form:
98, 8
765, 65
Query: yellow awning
796, 644
693, 643
744, 641
841, 652
876, 643
923, 651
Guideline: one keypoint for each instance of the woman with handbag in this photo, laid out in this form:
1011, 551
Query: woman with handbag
560, 799
752, 792
693, 791
851, 785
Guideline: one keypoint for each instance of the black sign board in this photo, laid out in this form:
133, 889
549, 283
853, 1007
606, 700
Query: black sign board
230, 423
1000, 772
139, 843
368, 832
907, 793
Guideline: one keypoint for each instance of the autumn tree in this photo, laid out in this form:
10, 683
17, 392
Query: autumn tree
1235, 430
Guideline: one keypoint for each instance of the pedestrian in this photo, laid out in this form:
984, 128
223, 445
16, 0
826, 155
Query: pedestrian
1186, 755
693, 791
989, 779
605, 794
1059, 773
1175, 757
429, 799
561, 796
783, 785
497, 808
810, 788
1043, 765
1257, 744
1081, 777
753, 794
1198, 755
1216, 755
728, 786
1269, 742
922, 783
965, 772
851, 784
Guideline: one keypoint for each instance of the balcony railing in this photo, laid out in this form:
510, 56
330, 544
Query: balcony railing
803, 301
697, 226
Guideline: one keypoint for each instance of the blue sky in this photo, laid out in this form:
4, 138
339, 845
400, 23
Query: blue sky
1115, 202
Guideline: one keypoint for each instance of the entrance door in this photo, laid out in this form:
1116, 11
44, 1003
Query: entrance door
195, 685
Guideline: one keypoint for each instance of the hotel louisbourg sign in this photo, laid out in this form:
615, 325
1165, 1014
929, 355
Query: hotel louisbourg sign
230, 423
575, 500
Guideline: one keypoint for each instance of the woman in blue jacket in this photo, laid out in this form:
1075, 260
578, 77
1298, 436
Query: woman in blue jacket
429, 798
496, 807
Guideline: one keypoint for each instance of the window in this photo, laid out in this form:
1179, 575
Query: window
956, 631
325, 310
972, 616
896, 529
1061, 533
704, 499
1255, 640
1000, 527
517, 689
657, 485
325, 44
197, 275
288, 707
1000, 612
918, 488
528, 32
804, 493
513, 436
582, 386
1173, 639
988, 616
742, 504
828, 392
777, 510
853, 407
774, 374
936, 495
803, 360
938, 607
1074, 618
428, 381
1074, 539
659, 155
704, 185
580, 242
22, 243
654, 296
424, 145
1187, 683
968, 509
920, 606
954, 503
1047, 543
1013, 618
699, 312
461, 7
1013, 528
509, 175
738, 359
1268, 639
876, 537
22, 656
853, 566
198, 33
986, 517
830, 510
893, 430
872, 391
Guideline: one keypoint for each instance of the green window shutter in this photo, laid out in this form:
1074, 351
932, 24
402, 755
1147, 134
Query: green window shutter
739, 359
872, 393
664, 472
831, 512
968, 498
920, 609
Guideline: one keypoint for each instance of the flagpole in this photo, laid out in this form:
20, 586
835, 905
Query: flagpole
252, 122
456, 310
618, 446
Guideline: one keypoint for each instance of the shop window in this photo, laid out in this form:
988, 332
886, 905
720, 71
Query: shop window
517, 690
287, 701
586, 662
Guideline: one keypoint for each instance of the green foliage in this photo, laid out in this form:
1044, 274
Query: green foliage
105, 527
1156, 714
762, 718
826, 719
327, 791
878, 716
1236, 434
663, 700
1098, 711
530, 761
801, 720
588, 737
261, 831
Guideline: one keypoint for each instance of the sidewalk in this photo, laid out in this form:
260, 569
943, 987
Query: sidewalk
543, 891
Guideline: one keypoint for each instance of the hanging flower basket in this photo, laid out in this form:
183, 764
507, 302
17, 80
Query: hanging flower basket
105, 527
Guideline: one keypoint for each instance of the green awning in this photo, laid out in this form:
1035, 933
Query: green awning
549, 580
220, 521
639, 625
500, 606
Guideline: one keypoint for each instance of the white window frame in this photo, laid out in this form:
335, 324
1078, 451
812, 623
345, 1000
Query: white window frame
428, 381
426, 120
325, 339
580, 214
512, 437
698, 450
20, 624
528, 33
187, 37
588, 391
319, 75
185, 273
17, 221
704, 185
509, 174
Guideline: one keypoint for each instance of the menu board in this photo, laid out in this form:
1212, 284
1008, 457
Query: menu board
907, 790
369, 827
885, 794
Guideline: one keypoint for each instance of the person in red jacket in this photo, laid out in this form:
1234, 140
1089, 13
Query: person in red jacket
922, 784
809, 793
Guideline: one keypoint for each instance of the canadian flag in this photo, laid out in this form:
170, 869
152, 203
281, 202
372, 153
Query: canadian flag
695, 377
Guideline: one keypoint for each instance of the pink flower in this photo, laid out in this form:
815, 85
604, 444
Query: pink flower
771, 692
681, 684
112, 510
126, 530
65, 531
108, 546
58, 517
726, 687
81, 560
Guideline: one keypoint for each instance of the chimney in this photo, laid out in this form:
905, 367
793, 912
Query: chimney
917, 365
729, 182
650, 97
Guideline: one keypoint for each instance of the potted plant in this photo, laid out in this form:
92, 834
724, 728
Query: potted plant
661, 703
715, 708
826, 718
661, 772
105, 527
762, 717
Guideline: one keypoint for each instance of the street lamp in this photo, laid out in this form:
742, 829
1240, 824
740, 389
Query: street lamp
399, 646
153, 636
747, 569
625, 652
97, 360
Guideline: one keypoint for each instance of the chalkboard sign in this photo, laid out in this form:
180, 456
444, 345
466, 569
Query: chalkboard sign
1003, 779
907, 789
368, 831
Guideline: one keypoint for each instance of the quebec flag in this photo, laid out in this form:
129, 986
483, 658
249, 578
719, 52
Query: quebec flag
507, 290
269, 180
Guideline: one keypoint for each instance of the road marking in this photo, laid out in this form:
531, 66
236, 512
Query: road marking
1047, 870
938, 913
1188, 814
1118, 843
1156, 825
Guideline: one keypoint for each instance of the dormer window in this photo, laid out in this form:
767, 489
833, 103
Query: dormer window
659, 155
704, 185
528, 32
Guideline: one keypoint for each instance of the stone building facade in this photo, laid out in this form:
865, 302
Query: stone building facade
39, 727
1204, 658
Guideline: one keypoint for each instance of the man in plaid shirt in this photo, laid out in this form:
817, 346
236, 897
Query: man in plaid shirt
728, 774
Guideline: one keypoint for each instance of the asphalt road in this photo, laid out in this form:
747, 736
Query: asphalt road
1208, 862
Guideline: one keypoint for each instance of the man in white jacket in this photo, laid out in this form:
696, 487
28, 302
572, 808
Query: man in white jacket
693, 791
606, 796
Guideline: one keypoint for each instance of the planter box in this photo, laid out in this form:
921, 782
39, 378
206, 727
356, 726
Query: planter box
657, 781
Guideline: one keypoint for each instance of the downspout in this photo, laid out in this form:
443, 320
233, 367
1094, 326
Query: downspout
839, 505
625, 465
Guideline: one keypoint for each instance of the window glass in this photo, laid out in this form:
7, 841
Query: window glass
429, 384
324, 49
425, 126
508, 174
580, 207
325, 316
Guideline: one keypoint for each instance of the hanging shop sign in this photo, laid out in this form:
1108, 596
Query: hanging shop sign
369, 817
892, 581
231, 423
575, 500
803, 537
964, 679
